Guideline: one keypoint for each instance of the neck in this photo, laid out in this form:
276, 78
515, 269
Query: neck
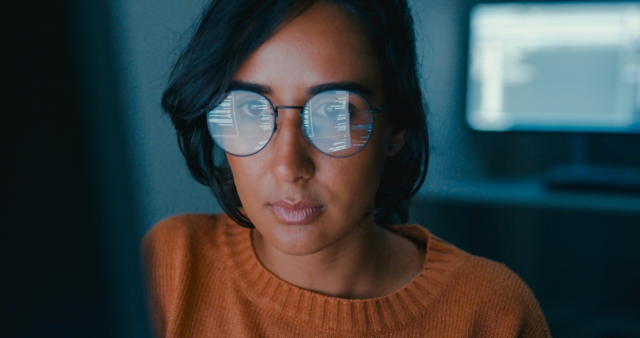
370, 262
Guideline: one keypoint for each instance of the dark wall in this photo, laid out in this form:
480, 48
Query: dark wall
53, 280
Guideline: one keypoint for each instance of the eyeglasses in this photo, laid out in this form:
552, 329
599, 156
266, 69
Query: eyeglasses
338, 123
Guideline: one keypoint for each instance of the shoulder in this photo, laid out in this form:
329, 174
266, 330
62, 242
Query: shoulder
174, 241
494, 283
490, 275
185, 223
181, 230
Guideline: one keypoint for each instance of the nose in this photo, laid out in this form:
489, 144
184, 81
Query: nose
291, 160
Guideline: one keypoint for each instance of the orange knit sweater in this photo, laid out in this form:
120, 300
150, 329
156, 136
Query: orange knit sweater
206, 281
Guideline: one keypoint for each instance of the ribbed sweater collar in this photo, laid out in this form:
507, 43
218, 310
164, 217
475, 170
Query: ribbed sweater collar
337, 314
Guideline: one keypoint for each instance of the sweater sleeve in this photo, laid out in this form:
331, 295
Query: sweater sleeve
164, 251
509, 308
531, 323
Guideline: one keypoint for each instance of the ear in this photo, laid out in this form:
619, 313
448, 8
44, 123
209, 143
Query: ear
397, 140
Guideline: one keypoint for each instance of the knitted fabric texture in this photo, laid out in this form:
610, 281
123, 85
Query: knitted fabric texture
204, 280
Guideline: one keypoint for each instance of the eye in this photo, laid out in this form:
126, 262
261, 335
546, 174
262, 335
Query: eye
253, 107
330, 109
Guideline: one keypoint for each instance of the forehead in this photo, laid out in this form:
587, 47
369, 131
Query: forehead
324, 44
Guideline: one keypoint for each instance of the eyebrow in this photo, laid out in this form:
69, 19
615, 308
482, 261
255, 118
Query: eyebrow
345, 85
253, 87
266, 90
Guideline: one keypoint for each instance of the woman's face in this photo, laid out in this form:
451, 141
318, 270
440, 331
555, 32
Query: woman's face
300, 200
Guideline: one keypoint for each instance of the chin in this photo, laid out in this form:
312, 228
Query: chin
297, 240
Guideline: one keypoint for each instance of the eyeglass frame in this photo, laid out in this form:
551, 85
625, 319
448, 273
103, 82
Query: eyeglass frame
275, 117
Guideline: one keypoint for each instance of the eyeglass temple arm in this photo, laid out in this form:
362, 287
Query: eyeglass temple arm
381, 109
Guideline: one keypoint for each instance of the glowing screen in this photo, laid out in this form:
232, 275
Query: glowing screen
554, 67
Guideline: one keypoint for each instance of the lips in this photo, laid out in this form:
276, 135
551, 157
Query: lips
302, 212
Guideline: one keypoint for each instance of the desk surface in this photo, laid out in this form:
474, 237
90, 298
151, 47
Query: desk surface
526, 193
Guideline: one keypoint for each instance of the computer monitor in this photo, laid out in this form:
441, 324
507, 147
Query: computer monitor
554, 66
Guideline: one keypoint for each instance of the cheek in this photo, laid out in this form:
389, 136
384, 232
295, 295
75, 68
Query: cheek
354, 190
353, 181
371, 171
247, 178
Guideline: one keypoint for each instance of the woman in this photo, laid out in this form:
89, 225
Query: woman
315, 109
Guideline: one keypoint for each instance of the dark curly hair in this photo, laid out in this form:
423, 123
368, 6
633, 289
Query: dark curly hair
229, 31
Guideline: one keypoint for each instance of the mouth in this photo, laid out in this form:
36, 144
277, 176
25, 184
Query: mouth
301, 212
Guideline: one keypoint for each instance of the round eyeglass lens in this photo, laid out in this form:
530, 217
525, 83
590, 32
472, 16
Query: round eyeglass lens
242, 123
338, 122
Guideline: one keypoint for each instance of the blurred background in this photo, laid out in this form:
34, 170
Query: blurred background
91, 163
